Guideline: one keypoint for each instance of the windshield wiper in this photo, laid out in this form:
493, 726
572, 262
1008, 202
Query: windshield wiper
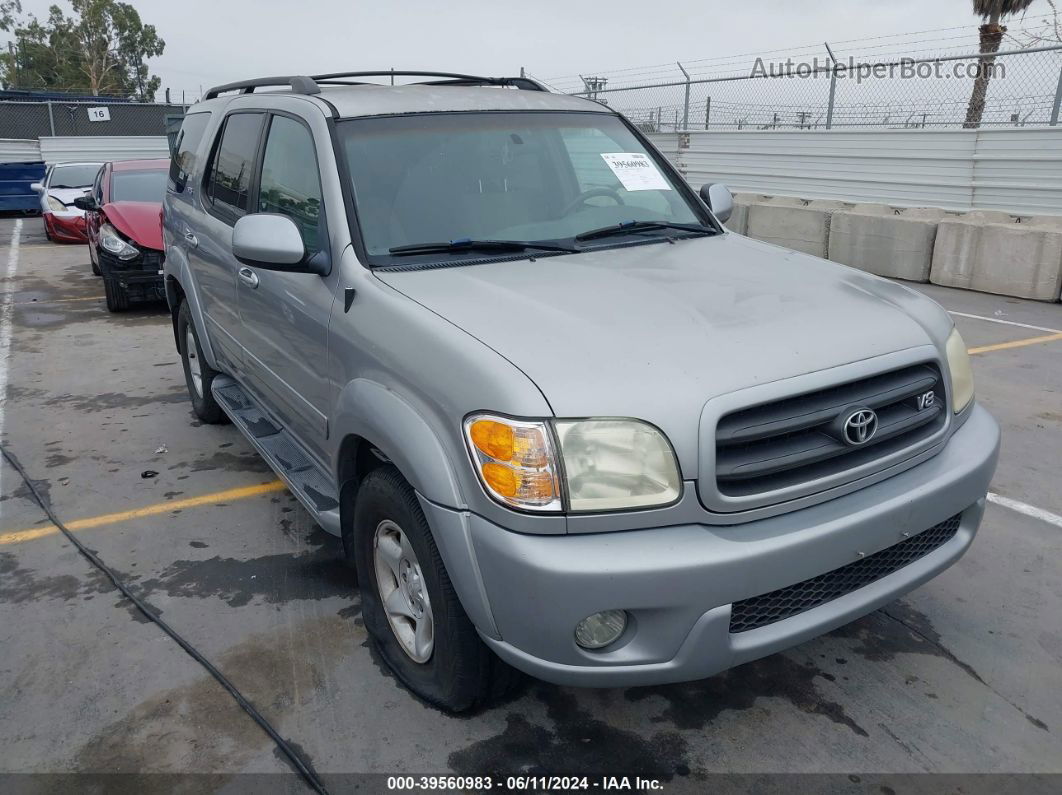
469, 244
627, 227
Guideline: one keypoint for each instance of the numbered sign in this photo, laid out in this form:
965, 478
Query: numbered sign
99, 114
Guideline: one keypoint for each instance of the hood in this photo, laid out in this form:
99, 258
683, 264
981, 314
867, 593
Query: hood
67, 196
655, 331
141, 222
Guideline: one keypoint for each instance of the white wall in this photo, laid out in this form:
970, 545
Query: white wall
101, 148
1017, 170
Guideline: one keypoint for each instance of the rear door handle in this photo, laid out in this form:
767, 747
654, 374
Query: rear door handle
193, 241
248, 277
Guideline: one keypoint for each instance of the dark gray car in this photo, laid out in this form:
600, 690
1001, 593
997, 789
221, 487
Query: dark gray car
561, 419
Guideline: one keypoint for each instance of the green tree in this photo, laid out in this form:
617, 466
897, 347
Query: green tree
991, 32
99, 49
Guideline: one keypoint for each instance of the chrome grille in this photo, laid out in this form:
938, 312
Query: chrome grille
796, 440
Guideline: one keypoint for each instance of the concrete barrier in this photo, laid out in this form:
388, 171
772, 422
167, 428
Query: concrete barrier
794, 223
887, 241
994, 253
739, 219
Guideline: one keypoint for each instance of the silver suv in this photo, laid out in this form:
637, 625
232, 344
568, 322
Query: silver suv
560, 418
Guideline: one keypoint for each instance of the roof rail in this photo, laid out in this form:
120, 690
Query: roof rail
300, 84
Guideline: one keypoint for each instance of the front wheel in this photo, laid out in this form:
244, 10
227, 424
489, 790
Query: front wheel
198, 375
409, 606
95, 262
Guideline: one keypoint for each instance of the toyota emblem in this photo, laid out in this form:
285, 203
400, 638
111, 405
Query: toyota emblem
860, 427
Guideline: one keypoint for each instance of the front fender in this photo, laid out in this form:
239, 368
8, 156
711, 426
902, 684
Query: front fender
390, 422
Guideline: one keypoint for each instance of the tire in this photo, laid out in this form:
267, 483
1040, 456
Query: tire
95, 265
461, 672
204, 405
117, 297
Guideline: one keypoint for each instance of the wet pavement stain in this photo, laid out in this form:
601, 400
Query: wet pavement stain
318, 573
108, 401
18, 585
900, 629
578, 744
198, 726
246, 462
694, 705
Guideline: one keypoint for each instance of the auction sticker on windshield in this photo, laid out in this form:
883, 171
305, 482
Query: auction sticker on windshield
635, 171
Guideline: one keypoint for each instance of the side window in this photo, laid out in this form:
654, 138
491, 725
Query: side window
290, 182
229, 184
182, 164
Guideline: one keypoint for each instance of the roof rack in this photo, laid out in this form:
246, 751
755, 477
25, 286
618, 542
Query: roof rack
301, 84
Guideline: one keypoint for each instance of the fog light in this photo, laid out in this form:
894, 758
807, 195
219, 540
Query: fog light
600, 629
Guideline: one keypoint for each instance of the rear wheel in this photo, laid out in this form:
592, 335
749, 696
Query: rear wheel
198, 375
116, 295
409, 605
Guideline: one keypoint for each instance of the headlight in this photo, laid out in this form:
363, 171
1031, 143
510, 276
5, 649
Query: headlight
962, 384
55, 205
608, 464
614, 465
113, 243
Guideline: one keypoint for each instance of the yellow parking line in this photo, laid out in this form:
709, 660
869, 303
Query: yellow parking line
1002, 346
18, 536
58, 300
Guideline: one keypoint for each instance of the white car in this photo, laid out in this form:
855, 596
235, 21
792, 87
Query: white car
64, 182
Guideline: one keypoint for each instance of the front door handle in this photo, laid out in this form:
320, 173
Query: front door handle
248, 277
193, 241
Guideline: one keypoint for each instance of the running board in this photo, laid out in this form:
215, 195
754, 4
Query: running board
306, 480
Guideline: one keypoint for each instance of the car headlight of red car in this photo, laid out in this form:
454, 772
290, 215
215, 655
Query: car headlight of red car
113, 243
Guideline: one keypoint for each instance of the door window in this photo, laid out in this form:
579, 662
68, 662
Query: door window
229, 185
290, 183
184, 151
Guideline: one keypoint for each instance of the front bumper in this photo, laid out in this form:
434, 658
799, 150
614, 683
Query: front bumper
678, 583
141, 277
66, 227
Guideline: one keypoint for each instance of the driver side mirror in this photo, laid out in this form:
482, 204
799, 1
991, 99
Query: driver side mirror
86, 203
37, 187
719, 200
273, 242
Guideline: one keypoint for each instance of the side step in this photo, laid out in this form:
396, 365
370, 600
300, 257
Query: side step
306, 480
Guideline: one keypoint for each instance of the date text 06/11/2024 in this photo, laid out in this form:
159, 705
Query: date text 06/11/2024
522, 783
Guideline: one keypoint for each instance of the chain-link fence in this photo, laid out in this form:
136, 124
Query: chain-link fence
24, 118
1013, 88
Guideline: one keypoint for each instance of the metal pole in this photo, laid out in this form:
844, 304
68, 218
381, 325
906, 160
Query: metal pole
686, 104
51, 118
833, 95
1058, 101
833, 88
707, 111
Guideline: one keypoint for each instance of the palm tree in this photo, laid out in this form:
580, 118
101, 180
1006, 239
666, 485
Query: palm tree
992, 11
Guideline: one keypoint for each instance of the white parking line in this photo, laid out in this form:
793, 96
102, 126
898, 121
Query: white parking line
6, 301
1006, 322
1024, 508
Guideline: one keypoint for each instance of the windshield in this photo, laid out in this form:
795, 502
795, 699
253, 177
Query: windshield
499, 176
138, 186
74, 176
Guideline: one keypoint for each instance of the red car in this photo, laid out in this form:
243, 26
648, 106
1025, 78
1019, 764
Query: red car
124, 219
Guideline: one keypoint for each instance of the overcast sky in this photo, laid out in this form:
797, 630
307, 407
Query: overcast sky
215, 41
